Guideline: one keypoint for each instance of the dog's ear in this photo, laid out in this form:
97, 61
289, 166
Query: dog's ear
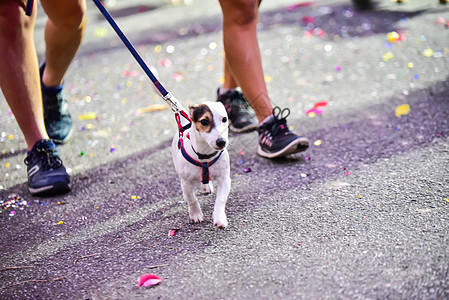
191, 109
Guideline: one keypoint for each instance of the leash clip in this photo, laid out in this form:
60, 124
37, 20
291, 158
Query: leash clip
173, 102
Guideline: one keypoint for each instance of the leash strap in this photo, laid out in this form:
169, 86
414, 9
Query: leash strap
29, 7
168, 97
131, 48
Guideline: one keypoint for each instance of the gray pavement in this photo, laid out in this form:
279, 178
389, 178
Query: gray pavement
362, 214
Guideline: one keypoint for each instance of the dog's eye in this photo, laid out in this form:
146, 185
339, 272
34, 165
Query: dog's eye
205, 122
224, 120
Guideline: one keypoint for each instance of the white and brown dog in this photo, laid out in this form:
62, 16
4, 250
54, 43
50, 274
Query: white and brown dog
200, 154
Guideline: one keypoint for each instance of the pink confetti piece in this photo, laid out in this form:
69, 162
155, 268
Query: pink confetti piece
440, 20
299, 5
320, 104
308, 34
135, 73
314, 110
308, 20
142, 9
165, 62
319, 32
148, 280
172, 232
178, 76
348, 173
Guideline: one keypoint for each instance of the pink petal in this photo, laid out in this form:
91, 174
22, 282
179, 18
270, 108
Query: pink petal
171, 232
319, 104
165, 62
299, 5
314, 110
440, 20
308, 20
148, 280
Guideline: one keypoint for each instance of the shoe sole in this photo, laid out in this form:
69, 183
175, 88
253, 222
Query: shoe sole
298, 145
248, 128
58, 188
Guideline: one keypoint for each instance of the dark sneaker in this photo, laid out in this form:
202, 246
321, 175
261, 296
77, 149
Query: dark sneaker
240, 116
58, 121
276, 140
46, 173
366, 4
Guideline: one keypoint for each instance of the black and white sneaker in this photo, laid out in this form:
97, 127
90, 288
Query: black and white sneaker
241, 116
47, 175
275, 138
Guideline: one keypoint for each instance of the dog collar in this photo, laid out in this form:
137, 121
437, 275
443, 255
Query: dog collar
204, 156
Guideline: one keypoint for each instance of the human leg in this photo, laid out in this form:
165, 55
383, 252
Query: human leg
19, 76
63, 35
19, 81
64, 32
243, 65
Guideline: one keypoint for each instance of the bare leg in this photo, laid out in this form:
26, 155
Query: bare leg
243, 65
63, 35
19, 76
229, 81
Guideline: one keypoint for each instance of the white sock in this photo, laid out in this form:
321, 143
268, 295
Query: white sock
266, 120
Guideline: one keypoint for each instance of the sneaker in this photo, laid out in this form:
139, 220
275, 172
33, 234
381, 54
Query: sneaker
58, 121
366, 4
275, 139
240, 116
46, 173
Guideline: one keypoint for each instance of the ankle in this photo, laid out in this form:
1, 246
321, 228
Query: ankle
48, 85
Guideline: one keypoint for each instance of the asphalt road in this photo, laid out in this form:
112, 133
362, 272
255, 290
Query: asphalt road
362, 214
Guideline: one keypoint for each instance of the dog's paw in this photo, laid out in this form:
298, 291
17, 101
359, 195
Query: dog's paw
196, 217
220, 221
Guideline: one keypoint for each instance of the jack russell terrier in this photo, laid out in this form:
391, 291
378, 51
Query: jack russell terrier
200, 154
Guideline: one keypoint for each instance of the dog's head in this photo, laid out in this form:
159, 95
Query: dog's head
210, 120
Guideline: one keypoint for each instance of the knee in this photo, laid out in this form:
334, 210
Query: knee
76, 17
243, 13
70, 17
14, 24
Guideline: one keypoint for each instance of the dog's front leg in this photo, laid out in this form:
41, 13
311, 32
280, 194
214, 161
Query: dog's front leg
195, 213
219, 215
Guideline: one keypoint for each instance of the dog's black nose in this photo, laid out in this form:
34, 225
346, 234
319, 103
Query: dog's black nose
221, 143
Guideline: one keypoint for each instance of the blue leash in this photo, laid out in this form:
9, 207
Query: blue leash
172, 101
176, 107
131, 48
29, 8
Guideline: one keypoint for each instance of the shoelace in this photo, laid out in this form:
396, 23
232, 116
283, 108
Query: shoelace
279, 124
53, 160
